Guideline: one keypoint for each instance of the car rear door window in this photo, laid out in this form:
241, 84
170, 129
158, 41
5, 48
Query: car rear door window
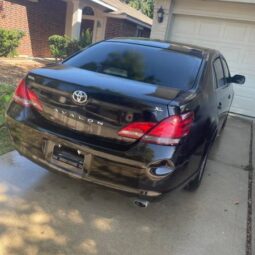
225, 68
140, 63
219, 73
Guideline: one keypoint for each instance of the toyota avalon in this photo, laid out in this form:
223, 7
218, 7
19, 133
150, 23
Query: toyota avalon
133, 115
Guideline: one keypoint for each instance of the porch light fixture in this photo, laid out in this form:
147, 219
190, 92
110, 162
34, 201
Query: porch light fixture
161, 14
99, 24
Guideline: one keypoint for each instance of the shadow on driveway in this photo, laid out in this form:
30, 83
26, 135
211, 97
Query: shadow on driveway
45, 213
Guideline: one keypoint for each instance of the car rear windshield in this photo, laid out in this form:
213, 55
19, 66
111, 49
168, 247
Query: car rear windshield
140, 63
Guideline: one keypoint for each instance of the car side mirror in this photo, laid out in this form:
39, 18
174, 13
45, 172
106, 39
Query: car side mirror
238, 79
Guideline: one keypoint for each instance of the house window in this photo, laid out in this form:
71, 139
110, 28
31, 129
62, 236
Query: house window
139, 31
88, 11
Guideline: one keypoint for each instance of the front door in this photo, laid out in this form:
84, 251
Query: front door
87, 24
96, 26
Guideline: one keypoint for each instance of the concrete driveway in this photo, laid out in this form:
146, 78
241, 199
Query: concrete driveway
45, 213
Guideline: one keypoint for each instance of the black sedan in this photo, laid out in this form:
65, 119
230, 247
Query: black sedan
134, 115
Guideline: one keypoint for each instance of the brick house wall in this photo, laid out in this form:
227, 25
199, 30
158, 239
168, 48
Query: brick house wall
122, 27
41, 19
37, 20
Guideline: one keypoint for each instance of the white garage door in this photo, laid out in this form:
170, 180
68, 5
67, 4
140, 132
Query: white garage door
235, 39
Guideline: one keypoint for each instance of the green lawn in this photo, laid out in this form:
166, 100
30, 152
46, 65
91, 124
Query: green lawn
5, 96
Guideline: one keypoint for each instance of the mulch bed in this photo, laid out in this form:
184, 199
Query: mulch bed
12, 70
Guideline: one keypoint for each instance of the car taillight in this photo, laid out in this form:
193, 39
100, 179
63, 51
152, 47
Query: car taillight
26, 97
167, 132
136, 130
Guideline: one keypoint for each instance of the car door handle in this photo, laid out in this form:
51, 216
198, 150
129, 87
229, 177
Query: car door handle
219, 106
229, 96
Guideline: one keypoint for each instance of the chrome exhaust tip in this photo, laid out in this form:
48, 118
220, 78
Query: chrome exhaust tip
141, 203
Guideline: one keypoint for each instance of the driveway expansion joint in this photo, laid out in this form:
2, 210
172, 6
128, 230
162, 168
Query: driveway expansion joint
240, 167
250, 168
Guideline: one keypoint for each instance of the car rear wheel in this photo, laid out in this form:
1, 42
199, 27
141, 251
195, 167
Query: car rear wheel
195, 183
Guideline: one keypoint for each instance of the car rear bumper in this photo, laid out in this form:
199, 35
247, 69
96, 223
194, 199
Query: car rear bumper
103, 168
57, 169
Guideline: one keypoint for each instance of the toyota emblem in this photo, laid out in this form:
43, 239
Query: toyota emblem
80, 97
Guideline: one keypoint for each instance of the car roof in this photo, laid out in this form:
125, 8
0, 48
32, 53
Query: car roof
175, 46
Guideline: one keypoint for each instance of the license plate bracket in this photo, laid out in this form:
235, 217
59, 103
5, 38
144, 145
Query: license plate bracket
68, 158
68, 155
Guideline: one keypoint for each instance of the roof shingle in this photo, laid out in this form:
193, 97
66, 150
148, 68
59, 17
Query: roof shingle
128, 10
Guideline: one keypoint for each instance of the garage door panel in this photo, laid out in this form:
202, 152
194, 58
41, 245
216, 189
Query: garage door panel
251, 36
234, 31
249, 58
232, 54
245, 92
248, 72
246, 108
246, 112
209, 28
183, 26
192, 40
235, 39
249, 85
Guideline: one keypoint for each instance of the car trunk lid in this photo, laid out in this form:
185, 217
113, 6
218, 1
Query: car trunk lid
111, 102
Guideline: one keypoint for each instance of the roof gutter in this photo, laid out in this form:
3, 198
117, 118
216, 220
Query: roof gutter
105, 5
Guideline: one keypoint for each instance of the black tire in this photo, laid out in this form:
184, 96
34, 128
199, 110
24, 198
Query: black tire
195, 183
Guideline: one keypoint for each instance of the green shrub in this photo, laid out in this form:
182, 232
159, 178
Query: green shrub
58, 44
5, 97
63, 46
9, 41
86, 38
72, 47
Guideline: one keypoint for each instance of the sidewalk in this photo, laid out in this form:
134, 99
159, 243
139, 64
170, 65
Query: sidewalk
253, 192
